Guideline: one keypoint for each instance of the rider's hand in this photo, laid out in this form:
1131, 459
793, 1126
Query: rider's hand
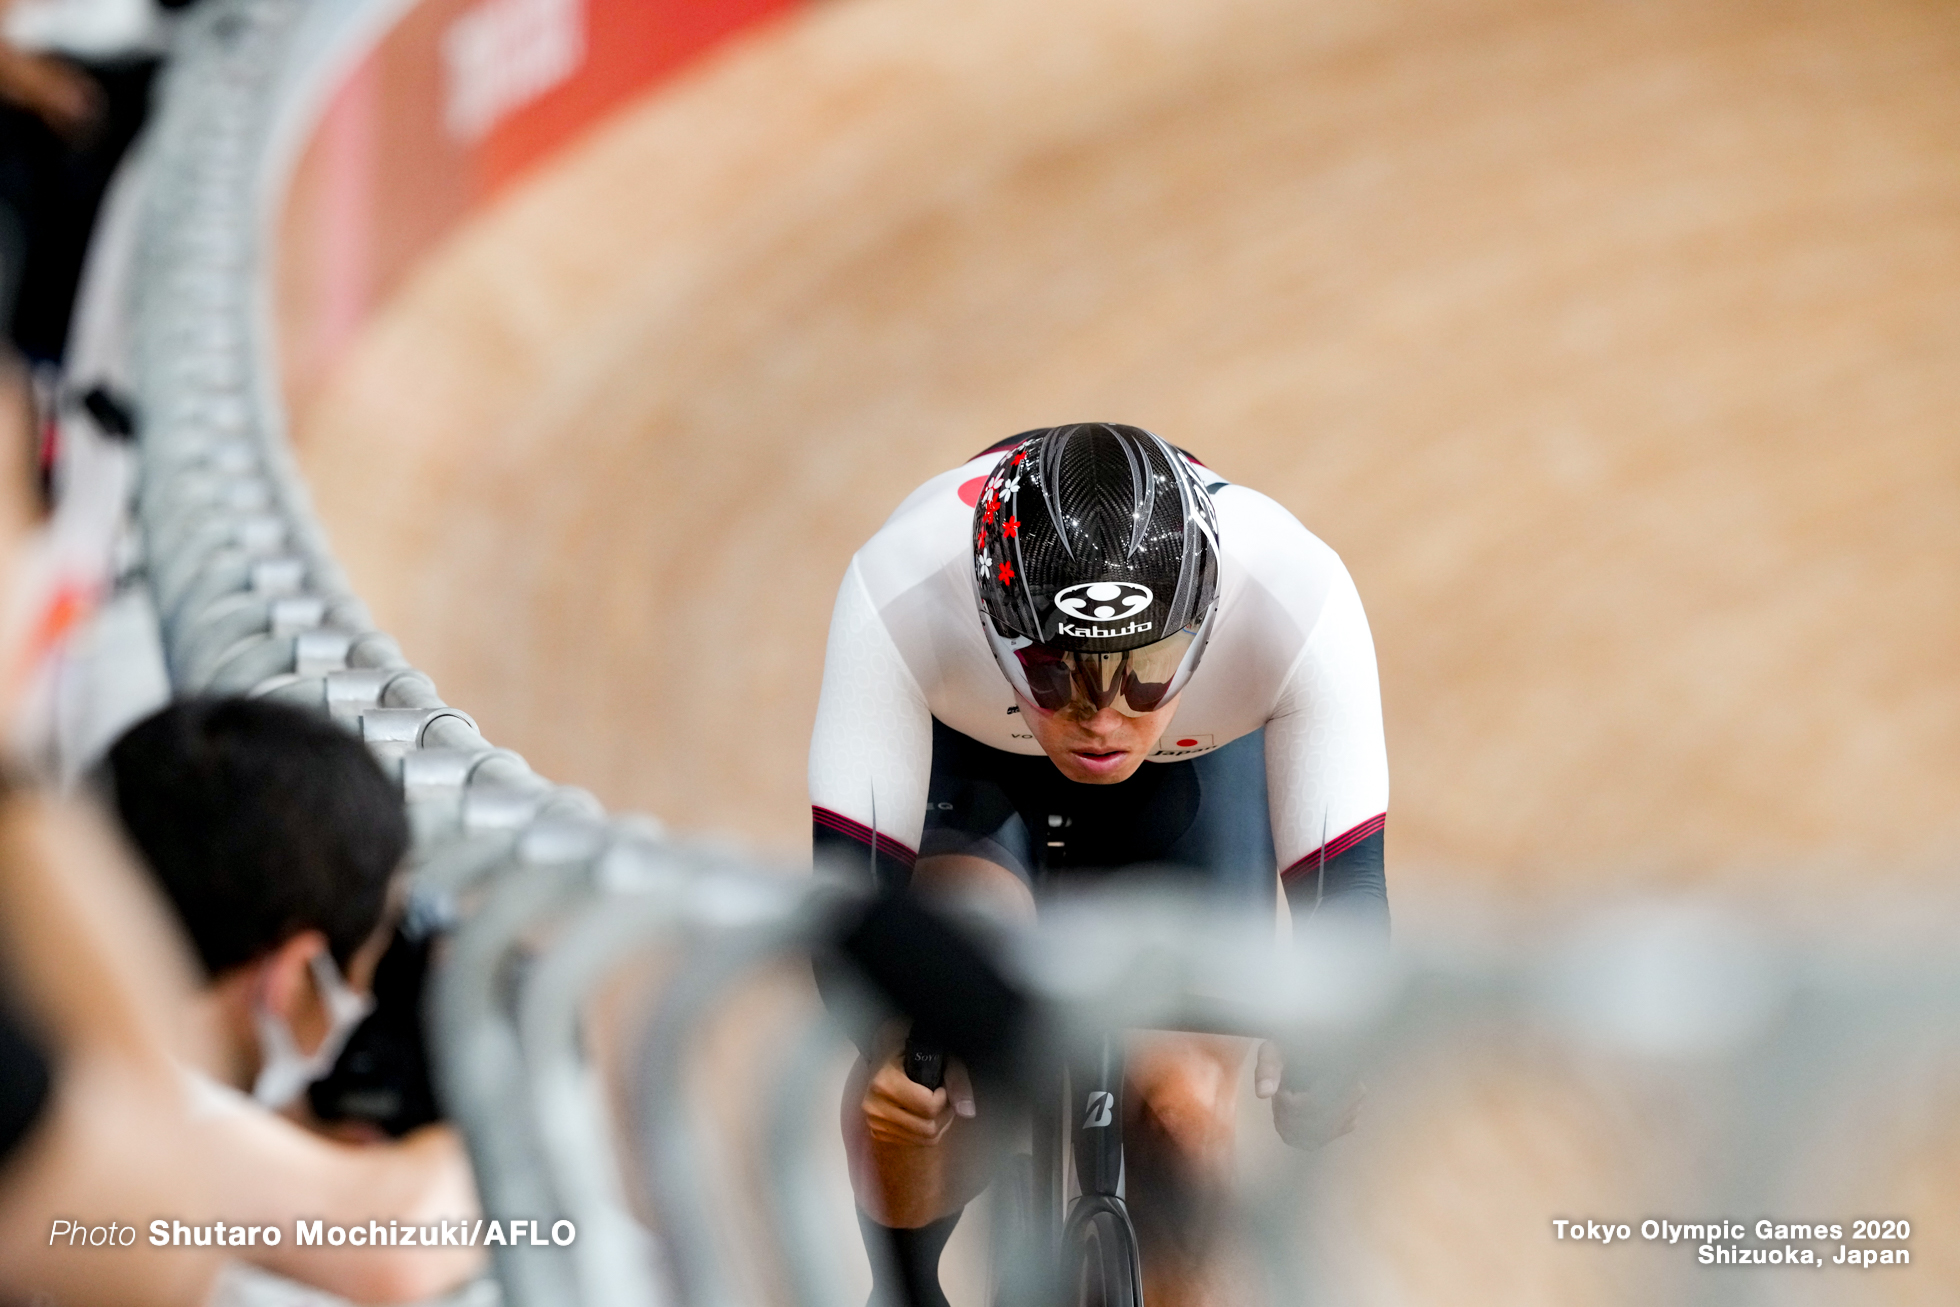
60, 94
1309, 1117
900, 1110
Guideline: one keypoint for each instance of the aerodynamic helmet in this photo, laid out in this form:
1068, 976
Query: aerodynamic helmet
1095, 554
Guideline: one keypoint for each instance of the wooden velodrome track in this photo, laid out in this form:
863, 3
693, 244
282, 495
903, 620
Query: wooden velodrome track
1614, 346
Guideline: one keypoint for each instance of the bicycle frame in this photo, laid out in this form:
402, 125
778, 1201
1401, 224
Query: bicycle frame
1077, 1118
1096, 1133
1087, 1093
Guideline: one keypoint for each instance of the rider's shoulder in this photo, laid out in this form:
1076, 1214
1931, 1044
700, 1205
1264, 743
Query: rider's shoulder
1257, 531
946, 497
926, 535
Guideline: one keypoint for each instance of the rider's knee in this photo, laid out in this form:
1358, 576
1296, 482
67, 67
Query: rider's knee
1190, 1112
1187, 1096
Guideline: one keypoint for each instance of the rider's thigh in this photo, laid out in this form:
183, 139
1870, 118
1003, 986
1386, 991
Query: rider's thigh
968, 883
1184, 1091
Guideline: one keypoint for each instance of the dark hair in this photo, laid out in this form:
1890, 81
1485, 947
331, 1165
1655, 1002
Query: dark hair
260, 820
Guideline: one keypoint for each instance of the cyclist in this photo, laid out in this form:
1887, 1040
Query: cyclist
1133, 609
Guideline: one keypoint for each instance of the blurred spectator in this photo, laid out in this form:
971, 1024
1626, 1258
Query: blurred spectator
23, 1080
94, 1121
91, 957
75, 79
277, 837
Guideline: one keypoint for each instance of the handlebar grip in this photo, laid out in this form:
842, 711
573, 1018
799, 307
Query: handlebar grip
925, 1063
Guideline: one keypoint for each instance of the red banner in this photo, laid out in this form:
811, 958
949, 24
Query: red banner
455, 103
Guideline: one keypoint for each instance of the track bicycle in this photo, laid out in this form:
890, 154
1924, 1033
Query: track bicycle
1063, 1235
1062, 1230
1052, 1248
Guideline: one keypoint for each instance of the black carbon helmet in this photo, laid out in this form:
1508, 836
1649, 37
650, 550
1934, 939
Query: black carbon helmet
1095, 538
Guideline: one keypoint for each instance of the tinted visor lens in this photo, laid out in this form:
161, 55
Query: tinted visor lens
1135, 681
1050, 677
1148, 672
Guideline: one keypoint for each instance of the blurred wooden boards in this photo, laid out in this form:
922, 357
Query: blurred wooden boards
1612, 345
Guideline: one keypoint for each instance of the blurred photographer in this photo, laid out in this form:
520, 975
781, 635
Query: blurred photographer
277, 838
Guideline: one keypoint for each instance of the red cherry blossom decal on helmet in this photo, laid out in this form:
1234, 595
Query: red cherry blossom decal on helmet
1006, 571
1013, 528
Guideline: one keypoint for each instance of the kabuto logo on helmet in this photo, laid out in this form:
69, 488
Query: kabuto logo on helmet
1104, 601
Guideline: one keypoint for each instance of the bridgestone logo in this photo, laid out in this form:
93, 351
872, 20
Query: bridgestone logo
1102, 632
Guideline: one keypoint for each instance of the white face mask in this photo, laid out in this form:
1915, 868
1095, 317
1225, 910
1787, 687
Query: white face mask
284, 1071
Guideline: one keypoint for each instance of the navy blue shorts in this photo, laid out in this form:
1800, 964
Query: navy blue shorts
1201, 819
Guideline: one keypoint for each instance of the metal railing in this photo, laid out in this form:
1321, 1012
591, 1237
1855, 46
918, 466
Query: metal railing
1670, 1030
248, 596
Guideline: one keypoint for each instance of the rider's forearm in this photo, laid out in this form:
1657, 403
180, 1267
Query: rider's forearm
1350, 886
855, 860
911, 961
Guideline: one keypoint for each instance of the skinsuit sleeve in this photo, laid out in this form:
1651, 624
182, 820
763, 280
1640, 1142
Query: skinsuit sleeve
871, 752
1327, 769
